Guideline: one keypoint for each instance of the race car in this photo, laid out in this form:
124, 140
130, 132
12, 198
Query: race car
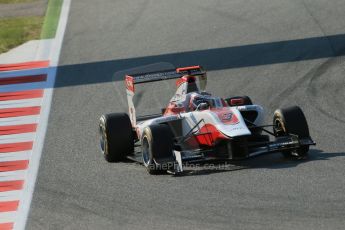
197, 126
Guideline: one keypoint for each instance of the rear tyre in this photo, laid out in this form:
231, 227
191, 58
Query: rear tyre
157, 143
116, 136
291, 120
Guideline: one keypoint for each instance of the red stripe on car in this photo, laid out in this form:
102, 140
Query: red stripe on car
130, 83
187, 68
209, 135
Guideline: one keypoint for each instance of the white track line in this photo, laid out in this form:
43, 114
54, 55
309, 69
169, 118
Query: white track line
55, 55
15, 156
8, 217
13, 175
11, 195
20, 103
33, 119
24, 205
21, 137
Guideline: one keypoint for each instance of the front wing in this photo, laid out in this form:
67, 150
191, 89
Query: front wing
235, 149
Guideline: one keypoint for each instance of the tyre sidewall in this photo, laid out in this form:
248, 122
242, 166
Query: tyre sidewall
147, 134
294, 122
159, 139
117, 129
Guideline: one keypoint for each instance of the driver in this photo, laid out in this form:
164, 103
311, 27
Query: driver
196, 99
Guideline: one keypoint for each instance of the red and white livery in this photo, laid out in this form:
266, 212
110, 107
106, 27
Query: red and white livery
197, 126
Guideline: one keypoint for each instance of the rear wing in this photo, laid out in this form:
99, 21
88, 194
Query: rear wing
132, 80
141, 78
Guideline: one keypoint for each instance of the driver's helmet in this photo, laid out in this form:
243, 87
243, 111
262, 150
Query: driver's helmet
196, 99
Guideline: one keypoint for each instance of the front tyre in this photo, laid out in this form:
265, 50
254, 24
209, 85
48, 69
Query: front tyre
157, 146
291, 120
116, 136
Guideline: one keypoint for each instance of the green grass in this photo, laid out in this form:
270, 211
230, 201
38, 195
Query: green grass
15, 1
15, 31
51, 19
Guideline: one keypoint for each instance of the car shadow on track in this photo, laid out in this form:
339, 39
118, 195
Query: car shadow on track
272, 161
211, 59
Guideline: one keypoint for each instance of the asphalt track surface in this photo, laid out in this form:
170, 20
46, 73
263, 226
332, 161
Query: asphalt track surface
278, 52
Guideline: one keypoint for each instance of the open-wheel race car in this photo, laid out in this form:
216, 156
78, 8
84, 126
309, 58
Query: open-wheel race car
196, 126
